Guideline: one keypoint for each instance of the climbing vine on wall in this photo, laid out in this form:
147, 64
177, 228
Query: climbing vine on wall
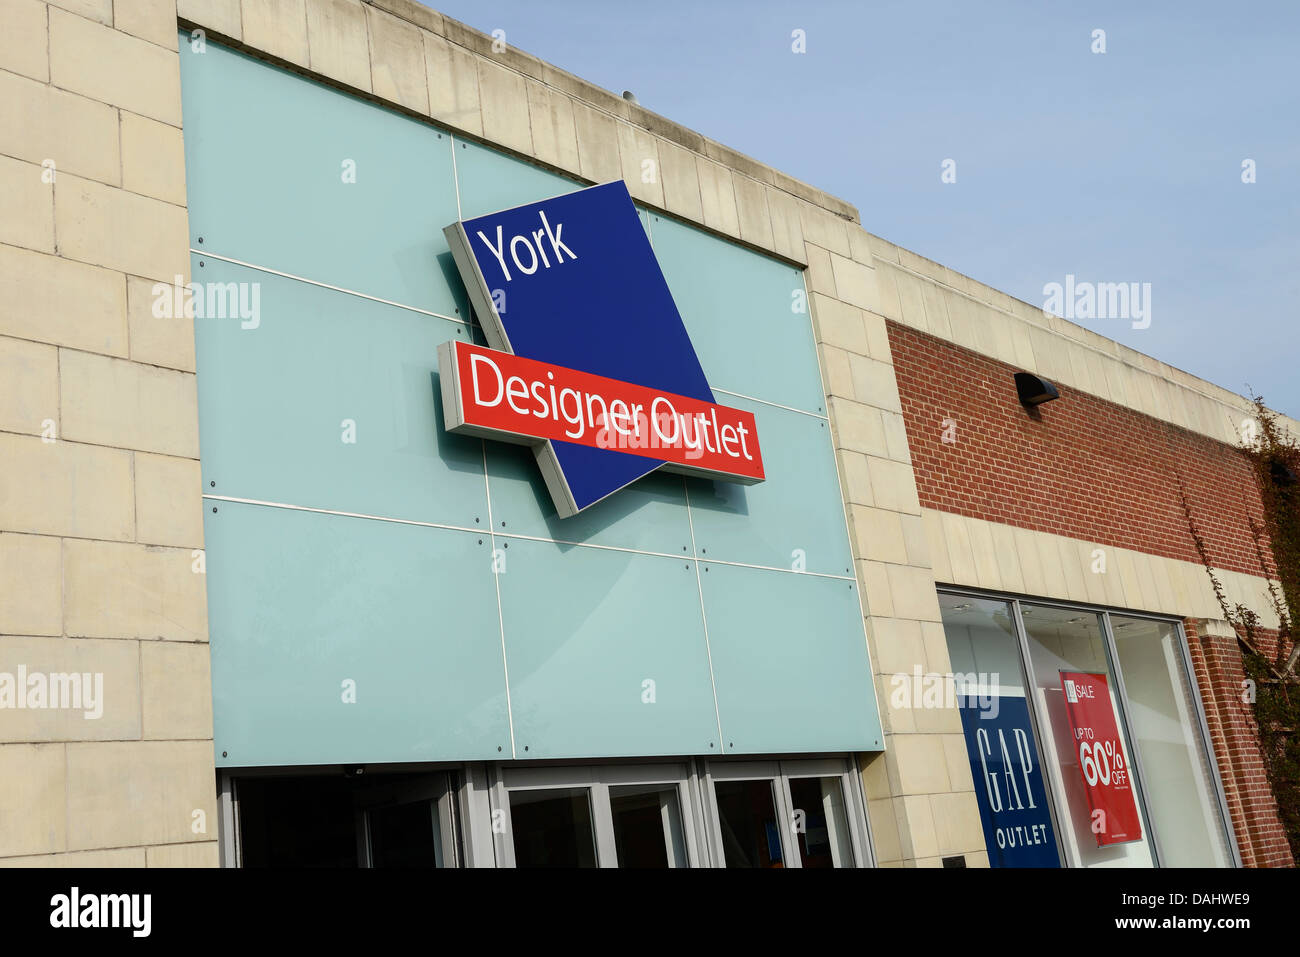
1272, 686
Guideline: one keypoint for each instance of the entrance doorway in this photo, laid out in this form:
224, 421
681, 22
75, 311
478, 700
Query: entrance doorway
349, 819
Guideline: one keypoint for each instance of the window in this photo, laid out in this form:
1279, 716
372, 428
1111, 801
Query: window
647, 825
342, 819
772, 814
1001, 741
551, 827
1180, 781
748, 823
823, 832
610, 816
1164, 806
688, 812
717, 813
405, 822
1064, 640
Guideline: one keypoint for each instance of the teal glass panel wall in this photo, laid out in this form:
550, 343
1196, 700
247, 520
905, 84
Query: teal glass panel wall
380, 590
330, 402
345, 640
624, 672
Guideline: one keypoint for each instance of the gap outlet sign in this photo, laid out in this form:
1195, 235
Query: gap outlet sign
1009, 781
590, 362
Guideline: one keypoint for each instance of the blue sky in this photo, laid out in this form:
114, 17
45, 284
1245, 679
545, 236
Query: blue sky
1117, 167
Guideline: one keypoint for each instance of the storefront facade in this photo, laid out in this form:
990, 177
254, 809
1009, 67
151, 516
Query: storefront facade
332, 631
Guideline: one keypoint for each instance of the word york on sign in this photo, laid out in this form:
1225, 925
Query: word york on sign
535, 250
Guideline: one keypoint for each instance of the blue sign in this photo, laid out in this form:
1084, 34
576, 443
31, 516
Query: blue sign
573, 281
1009, 783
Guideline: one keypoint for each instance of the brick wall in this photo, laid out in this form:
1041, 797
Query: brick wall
1217, 661
1080, 466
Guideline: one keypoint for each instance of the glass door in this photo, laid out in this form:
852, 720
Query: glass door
406, 824
647, 823
600, 816
777, 814
821, 822
750, 824
552, 827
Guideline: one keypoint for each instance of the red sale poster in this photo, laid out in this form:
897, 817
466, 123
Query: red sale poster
1105, 772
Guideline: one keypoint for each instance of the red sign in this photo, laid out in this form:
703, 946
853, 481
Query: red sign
498, 395
1102, 764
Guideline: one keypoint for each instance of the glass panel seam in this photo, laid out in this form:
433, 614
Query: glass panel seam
515, 535
704, 617
209, 254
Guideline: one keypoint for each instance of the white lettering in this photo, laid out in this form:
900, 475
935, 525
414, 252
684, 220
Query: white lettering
475, 360
514, 254
556, 243
498, 251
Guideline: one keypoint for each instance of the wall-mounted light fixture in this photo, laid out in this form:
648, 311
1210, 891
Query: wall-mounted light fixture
1033, 390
